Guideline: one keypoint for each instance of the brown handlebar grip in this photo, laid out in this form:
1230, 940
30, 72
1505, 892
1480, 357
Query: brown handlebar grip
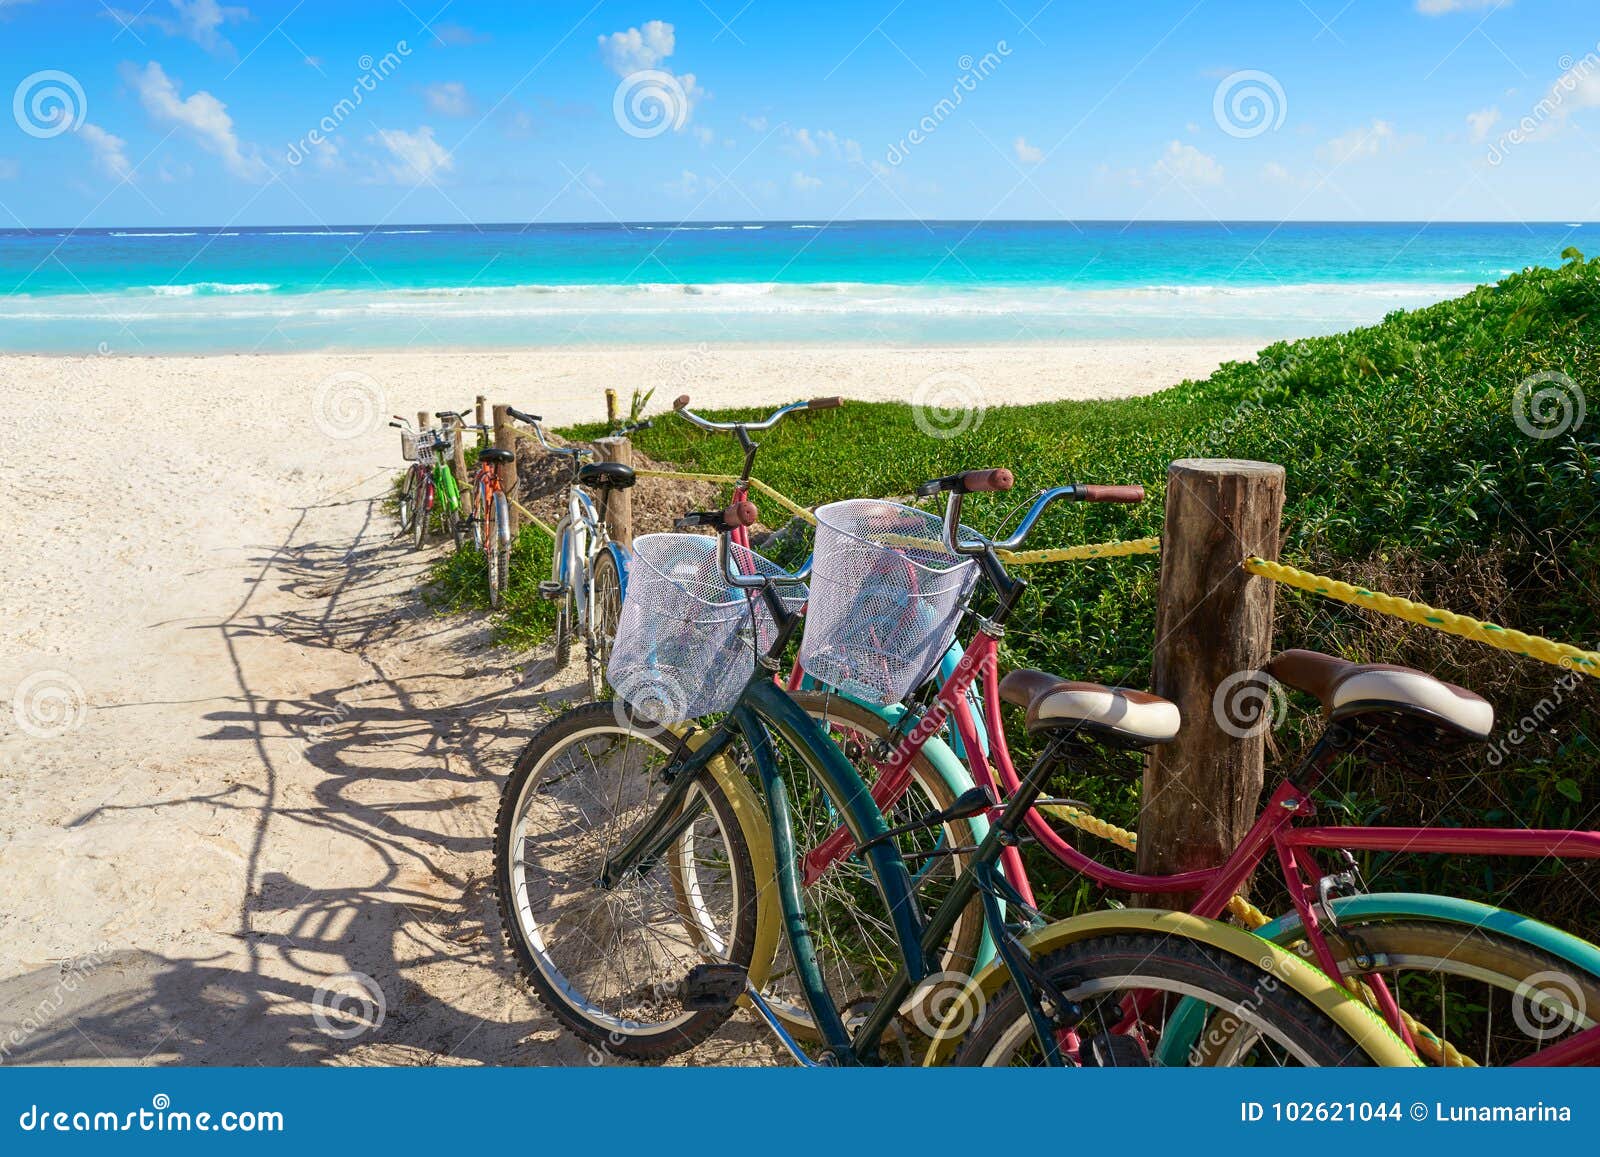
680, 402
825, 403
1128, 494
739, 514
986, 481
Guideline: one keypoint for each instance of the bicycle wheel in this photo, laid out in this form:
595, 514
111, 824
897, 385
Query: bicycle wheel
497, 553
1471, 996
1263, 1021
564, 622
606, 584
854, 937
609, 965
406, 502
424, 511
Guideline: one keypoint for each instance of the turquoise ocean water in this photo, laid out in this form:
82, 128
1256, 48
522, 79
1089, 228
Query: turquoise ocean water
206, 290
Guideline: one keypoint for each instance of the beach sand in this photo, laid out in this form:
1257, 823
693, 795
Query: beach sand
241, 761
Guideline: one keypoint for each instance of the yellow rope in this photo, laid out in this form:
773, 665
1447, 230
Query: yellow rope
1078, 553
530, 516
1545, 650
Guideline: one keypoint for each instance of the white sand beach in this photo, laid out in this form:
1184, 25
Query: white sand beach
240, 759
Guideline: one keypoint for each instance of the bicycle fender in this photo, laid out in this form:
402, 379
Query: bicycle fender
623, 557
1579, 954
1365, 1028
752, 819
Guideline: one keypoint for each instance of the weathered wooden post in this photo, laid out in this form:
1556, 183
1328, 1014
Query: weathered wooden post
458, 452
505, 438
481, 402
424, 420
619, 503
1213, 628
611, 407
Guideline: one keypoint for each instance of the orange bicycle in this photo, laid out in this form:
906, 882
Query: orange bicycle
488, 514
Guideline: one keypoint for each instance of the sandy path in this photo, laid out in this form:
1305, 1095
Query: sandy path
239, 762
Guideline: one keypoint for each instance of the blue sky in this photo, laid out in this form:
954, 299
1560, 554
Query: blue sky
177, 112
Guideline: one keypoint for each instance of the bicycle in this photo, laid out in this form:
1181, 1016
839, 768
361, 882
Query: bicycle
429, 483
641, 939
589, 572
1400, 951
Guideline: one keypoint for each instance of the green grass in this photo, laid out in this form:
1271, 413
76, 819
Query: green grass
1406, 473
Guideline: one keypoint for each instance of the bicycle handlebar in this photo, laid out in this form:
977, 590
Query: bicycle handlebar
969, 482
1074, 493
681, 405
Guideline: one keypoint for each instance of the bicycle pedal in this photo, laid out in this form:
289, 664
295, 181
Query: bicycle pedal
550, 590
712, 987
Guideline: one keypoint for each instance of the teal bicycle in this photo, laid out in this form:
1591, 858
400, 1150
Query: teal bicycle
632, 899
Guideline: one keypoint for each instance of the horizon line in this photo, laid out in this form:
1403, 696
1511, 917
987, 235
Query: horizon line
656, 223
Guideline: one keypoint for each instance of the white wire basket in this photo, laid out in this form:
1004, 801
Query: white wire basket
885, 599
408, 446
687, 640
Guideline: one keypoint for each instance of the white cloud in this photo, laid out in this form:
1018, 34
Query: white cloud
687, 185
458, 35
1273, 171
1367, 141
417, 156
637, 49
803, 183
1482, 121
1189, 165
202, 114
1440, 7
819, 142
645, 49
705, 135
758, 124
804, 144
201, 21
1026, 153
448, 98
109, 151
8, 168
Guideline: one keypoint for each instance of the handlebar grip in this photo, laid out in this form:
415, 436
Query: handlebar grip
985, 481
1128, 494
521, 417
680, 402
645, 425
742, 513
397, 425
825, 403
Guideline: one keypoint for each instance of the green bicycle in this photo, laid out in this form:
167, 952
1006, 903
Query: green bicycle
429, 483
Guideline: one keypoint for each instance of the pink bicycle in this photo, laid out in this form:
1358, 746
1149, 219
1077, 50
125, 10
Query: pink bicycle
1461, 982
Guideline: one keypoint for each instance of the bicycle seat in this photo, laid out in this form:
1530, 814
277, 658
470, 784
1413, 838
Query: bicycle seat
496, 456
612, 475
1347, 690
1119, 715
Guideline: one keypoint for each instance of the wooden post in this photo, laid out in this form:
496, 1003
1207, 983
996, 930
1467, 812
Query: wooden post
619, 503
424, 420
611, 407
478, 407
505, 438
1213, 627
458, 452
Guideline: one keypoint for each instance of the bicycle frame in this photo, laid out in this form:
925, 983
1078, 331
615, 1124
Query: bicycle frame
1277, 830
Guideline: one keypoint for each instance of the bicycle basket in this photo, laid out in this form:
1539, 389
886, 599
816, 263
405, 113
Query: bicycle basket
408, 445
685, 645
885, 599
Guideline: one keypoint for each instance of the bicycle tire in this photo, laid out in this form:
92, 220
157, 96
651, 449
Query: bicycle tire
733, 942
424, 511
1104, 966
498, 555
606, 585
1525, 985
406, 503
